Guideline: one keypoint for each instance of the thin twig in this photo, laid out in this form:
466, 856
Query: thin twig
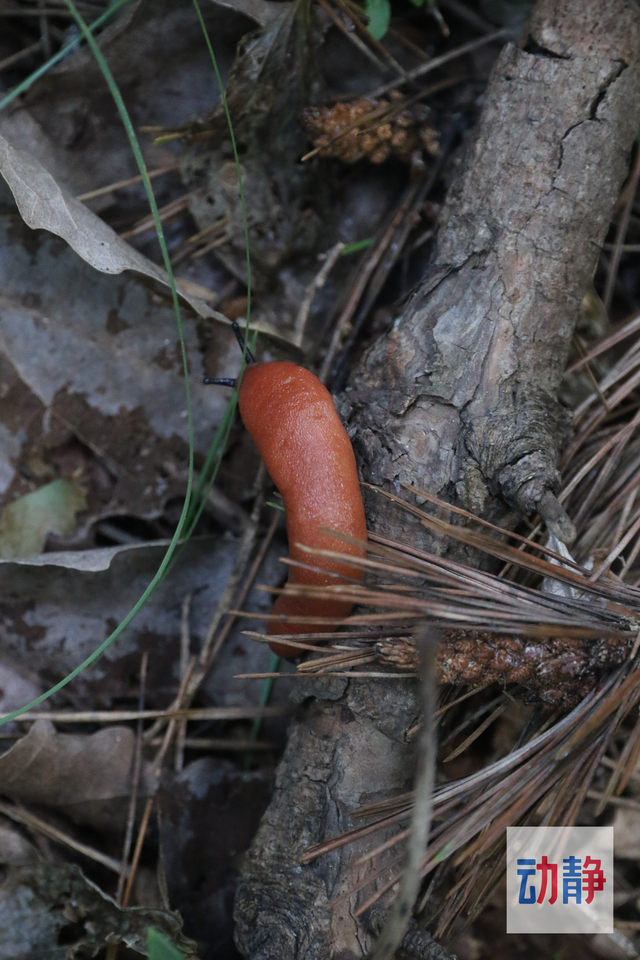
159, 759
441, 60
20, 55
165, 213
210, 648
617, 550
626, 330
214, 640
112, 949
403, 225
372, 260
184, 665
119, 184
369, 38
318, 282
41, 826
400, 912
135, 781
581, 350
220, 743
173, 713
352, 674
355, 40
142, 832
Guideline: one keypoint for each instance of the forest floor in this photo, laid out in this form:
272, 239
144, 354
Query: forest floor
104, 789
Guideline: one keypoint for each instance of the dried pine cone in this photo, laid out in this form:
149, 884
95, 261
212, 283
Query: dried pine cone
558, 671
403, 133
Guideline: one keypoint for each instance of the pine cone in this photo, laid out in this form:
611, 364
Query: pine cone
558, 671
391, 131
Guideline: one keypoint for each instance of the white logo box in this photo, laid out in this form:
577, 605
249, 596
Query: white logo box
580, 860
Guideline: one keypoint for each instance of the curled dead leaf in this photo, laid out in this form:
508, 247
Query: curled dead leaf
84, 776
45, 205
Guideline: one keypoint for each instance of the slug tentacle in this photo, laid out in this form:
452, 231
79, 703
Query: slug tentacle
221, 381
249, 357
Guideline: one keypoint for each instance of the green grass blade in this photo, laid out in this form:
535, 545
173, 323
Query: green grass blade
275, 660
265, 697
189, 516
356, 246
243, 206
209, 471
165, 254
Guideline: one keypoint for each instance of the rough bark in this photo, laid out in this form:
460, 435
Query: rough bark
460, 398
461, 395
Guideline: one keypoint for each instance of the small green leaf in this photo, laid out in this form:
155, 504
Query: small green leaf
379, 13
26, 523
420, 3
160, 948
356, 246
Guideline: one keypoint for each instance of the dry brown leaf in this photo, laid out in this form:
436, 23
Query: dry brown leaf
84, 776
56, 608
43, 204
92, 358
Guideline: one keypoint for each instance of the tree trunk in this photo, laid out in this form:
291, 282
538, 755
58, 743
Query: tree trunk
459, 398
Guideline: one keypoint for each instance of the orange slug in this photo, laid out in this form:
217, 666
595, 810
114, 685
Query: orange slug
292, 420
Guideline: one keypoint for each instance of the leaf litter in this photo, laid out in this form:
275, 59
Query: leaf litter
90, 374
90, 415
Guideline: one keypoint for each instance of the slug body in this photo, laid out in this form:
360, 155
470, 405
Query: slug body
292, 420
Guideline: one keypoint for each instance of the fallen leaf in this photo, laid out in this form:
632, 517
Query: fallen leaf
159, 59
46, 205
55, 610
26, 523
83, 776
91, 368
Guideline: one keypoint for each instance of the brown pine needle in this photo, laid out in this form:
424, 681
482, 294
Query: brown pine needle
477, 732
135, 782
38, 825
633, 326
120, 716
130, 181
